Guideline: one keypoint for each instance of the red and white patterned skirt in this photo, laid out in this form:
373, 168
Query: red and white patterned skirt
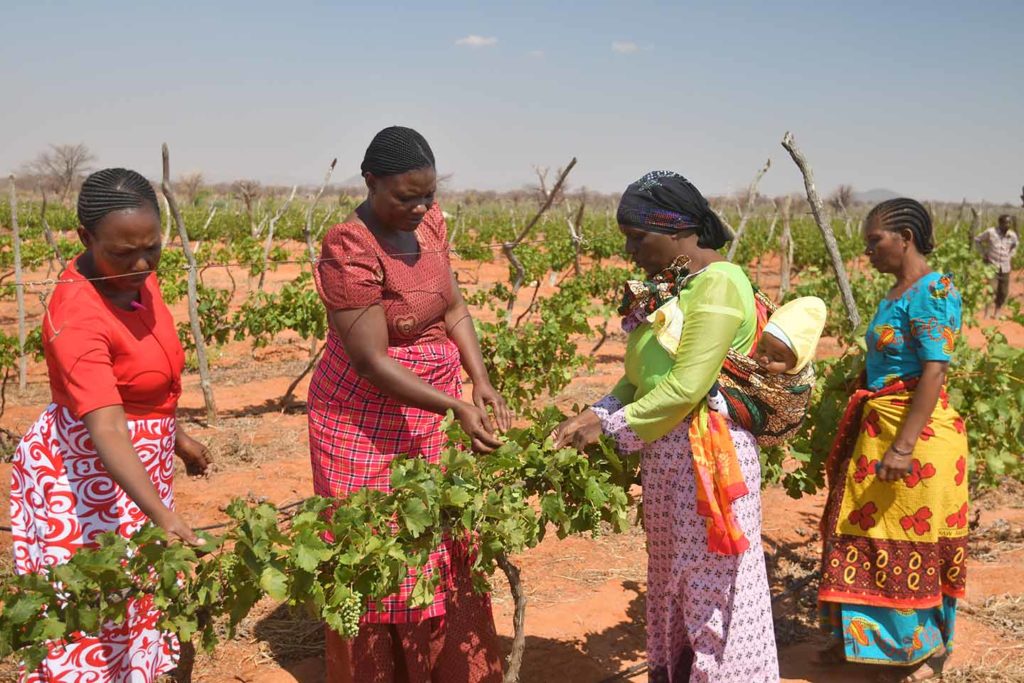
355, 431
62, 499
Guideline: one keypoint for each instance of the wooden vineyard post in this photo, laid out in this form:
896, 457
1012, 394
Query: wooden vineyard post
50, 239
745, 213
310, 248
19, 288
315, 348
785, 247
508, 248
789, 142
166, 237
193, 294
760, 257
576, 235
269, 242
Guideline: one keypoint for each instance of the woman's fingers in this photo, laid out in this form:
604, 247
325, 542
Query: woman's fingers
199, 465
484, 442
485, 422
582, 440
564, 433
499, 409
502, 414
189, 536
489, 439
178, 527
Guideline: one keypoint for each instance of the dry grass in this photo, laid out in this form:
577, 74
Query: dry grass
1002, 612
1009, 494
1010, 672
796, 613
992, 540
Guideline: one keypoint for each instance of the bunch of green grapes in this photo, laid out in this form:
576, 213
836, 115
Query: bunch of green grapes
344, 619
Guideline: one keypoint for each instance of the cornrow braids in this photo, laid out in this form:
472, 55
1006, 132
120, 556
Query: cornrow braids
396, 150
905, 214
113, 189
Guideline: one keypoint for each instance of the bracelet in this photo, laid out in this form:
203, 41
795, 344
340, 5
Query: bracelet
900, 453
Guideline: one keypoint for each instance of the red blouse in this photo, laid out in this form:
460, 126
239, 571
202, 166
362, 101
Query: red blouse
356, 271
100, 355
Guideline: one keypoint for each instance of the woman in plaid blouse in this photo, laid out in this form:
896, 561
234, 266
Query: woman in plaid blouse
400, 336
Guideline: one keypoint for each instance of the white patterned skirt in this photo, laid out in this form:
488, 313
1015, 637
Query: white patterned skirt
709, 616
62, 499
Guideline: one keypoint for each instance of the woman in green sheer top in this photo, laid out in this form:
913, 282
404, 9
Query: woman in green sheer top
708, 607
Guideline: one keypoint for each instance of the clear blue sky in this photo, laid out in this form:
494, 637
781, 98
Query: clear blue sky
924, 97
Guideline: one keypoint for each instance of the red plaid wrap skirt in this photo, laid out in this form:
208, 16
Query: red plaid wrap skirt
355, 431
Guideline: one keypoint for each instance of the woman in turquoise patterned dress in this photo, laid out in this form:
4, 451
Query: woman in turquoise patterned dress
895, 524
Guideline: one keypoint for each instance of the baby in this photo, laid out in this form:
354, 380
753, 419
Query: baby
787, 343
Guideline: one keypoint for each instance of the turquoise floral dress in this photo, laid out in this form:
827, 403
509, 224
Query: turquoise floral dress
906, 332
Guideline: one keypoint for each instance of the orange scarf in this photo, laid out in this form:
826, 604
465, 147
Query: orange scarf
716, 468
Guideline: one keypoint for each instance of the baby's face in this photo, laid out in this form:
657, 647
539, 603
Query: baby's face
773, 355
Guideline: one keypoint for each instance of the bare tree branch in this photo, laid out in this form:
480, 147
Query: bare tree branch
508, 248
48, 234
745, 213
789, 142
19, 288
269, 242
193, 294
309, 212
167, 237
576, 234
286, 400
785, 247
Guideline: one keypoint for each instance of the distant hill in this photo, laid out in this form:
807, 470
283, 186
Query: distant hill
355, 181
875, 196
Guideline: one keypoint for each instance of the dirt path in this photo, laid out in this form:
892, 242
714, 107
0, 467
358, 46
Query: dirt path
586, 610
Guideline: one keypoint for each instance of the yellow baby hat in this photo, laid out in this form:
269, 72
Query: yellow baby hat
801, 322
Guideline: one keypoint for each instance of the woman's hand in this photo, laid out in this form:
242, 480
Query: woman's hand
485, 396
172, 523
894, 465
194, 454
579, 432
477, 425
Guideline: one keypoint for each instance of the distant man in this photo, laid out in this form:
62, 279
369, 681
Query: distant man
997, 246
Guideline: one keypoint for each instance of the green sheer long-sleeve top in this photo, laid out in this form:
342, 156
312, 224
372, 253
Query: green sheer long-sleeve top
659, 390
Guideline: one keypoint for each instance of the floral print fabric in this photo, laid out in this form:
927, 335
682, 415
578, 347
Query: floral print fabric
919, 326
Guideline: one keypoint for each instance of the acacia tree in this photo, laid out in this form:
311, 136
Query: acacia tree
191, 185
62, 166
248, 191
841, 199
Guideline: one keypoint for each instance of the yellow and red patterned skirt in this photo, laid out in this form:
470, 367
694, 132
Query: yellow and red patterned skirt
894, 556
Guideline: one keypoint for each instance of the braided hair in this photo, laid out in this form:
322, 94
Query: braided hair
901, 214
396, 150
113, 189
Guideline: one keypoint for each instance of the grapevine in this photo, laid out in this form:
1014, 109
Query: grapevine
488, 499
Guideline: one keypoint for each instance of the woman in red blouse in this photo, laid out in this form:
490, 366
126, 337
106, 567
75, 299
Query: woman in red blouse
400, 335
101, 456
